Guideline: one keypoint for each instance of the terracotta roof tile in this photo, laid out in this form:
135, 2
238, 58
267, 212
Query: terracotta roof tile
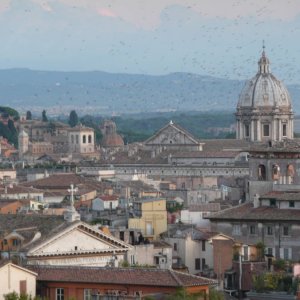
263, 213
129, 276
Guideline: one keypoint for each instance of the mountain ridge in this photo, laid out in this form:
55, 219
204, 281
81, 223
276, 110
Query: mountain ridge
99, 92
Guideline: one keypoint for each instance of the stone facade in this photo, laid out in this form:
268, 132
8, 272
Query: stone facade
81, 140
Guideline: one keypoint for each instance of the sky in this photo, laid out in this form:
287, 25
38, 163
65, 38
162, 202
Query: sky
221, 38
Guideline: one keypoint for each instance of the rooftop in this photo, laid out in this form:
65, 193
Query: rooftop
128, 276
246, 212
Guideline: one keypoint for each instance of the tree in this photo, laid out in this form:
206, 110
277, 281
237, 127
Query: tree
28, 115
73, 119
44, 117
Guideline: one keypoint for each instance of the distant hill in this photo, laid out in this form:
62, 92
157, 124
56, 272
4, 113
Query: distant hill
104, 93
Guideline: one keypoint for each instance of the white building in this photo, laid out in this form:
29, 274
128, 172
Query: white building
264, 111
16, 279
192, 247
105, 202
81, 140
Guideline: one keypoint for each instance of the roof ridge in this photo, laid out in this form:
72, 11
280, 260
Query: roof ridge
177, 279
228, 209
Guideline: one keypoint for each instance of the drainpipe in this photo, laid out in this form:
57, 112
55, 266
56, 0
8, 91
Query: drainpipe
240, 277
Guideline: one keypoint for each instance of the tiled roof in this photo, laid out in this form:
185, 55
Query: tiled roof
263, 213
206, 154
108, 197
20, 189
128, 276
278, 146
4, 202
184, 230
28, 225
57, 181
225, 144
295, 196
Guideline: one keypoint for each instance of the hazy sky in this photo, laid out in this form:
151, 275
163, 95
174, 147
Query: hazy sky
214, 37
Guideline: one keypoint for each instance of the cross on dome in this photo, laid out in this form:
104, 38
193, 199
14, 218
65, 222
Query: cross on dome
263, 63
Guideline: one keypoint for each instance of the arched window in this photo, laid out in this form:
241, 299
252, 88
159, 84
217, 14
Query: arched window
72, 139
275, 172
262, 172
90, 139
84, 139
290, 170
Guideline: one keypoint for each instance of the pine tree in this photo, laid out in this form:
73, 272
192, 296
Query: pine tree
44, 117
73, 119
28, 115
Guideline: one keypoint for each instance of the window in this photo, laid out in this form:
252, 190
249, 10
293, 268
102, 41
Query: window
285, 253
175, 246
266, 130
246, 253
132, 260
15, 242
272, 202
60, 294
262, 172
87, 294
197, 264
269, 230
252, 229
270, 251
247, 130
291, 203
203, 263
77, 138
84, 139
236, 229
23, 287
203, 245
286, 230
284, 130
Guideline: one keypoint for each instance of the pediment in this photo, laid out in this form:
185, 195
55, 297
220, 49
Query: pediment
172, 134
79, 239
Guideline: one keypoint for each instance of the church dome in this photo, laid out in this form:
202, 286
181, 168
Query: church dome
264, 90
112, 140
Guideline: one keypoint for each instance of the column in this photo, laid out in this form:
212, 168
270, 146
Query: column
279, 130
241, 130
292, 128
273, 130
258, 130
238, 134
252, 130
